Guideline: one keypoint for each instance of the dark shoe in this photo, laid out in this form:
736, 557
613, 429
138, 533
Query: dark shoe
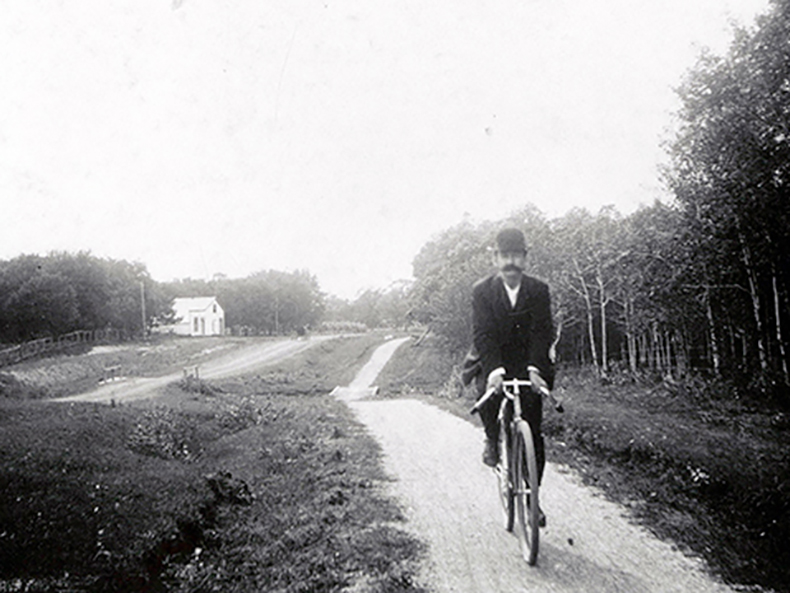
490, 454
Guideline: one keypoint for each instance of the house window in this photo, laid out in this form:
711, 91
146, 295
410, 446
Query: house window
214, 308
197, 326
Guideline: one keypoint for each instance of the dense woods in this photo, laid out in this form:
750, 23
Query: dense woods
730, 174
45, 296
699, 284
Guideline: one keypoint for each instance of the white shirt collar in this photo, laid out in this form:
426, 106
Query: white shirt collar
512, 293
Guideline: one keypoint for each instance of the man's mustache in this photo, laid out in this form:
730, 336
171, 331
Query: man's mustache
512, 268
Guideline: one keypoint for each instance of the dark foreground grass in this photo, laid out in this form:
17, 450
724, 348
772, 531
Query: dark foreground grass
694, 463
234, 486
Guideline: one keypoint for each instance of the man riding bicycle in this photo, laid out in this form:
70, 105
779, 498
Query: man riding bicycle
512, 334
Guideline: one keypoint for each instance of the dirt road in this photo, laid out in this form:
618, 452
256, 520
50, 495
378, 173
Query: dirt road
451, 504
236, 362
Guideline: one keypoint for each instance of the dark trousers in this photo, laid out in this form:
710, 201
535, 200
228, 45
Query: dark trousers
531, 411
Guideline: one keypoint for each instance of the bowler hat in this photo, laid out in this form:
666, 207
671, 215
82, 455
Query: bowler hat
511, 241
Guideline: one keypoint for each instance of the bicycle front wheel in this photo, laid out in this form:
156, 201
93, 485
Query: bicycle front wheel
526, 492
504, 475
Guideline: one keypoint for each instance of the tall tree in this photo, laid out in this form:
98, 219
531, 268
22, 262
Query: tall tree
445, 270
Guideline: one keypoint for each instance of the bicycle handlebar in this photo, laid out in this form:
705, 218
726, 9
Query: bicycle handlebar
515, 384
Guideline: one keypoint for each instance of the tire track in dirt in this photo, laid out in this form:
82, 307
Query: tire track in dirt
451, 503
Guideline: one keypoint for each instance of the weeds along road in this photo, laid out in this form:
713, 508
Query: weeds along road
239, 361
451, 503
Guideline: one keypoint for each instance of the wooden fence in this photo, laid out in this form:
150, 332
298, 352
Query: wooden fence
62, 343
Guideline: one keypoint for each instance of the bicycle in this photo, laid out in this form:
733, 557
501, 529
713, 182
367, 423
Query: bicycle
517, 470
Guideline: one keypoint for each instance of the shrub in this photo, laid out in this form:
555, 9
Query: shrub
163, 433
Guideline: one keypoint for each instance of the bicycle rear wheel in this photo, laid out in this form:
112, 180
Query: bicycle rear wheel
526, 492
504, 477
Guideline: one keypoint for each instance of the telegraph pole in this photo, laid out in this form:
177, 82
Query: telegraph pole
142, 306
277, 313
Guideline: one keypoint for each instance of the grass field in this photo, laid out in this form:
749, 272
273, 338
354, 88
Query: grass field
695, 464
260, 483
263, 482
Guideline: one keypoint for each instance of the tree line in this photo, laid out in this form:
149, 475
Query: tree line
697, 284
51, 295
268, 302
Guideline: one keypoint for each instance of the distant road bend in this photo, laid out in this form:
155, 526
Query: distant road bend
239, 361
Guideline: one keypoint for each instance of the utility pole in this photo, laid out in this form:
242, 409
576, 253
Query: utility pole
142, 305
276, 314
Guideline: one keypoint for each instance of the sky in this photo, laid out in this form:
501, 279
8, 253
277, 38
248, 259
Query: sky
338, 136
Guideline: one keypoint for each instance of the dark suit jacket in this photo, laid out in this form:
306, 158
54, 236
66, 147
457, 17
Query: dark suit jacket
513, 337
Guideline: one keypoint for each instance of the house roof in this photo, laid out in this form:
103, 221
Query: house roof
182, 306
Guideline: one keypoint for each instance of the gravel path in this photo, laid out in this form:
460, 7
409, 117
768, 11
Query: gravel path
450, 500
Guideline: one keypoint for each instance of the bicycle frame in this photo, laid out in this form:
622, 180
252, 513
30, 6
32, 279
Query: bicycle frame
517, 471
515, 385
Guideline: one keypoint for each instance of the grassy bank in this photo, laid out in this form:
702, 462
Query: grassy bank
260, 483
694, 463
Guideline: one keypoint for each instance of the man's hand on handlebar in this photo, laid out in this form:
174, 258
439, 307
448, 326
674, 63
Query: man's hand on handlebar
494, 382
538, 384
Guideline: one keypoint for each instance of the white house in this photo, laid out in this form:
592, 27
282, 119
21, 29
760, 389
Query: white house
198, 316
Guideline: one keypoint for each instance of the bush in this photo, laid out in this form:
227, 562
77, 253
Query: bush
163, 433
